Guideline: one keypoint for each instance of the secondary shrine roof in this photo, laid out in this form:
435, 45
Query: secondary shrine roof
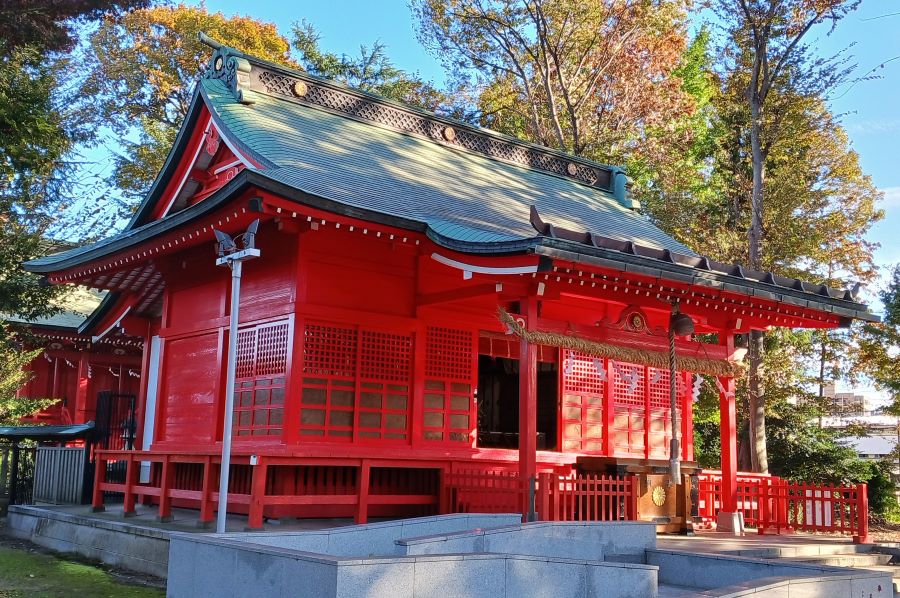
322, 144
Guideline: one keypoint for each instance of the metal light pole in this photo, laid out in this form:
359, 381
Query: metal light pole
230, 256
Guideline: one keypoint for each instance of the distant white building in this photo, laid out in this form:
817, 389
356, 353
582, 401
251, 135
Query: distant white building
881, 436
846, 403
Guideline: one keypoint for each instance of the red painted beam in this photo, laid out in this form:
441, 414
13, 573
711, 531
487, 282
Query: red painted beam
459, 294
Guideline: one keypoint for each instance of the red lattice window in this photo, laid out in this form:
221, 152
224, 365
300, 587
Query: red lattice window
356, 383
449, 409
629, 410
385, 378
584, 386
261, 362
660, 417
328, 390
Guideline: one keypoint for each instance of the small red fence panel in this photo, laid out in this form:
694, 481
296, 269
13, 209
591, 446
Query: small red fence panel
584, 388
816, 508
587, 497
484, 492
582, 497
449, 401
261, 363
769, 503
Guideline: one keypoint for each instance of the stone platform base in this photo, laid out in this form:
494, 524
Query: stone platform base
141, 549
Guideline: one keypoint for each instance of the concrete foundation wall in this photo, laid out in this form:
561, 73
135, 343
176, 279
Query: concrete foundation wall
574, 540
217, 566
140, 549
738, 576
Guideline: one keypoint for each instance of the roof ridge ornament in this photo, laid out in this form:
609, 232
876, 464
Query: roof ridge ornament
229, 66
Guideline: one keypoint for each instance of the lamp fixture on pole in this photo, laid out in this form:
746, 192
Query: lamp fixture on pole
230, 255
679, 325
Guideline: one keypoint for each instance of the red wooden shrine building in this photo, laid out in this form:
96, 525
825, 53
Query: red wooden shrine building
82, 355
374, 372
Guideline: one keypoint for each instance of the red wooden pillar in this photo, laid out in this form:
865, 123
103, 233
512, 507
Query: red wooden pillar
862, 514
81, 391
99, 480
257, 494
528, 408
130, 482
206, 502
728, 519
362, 504
165, 485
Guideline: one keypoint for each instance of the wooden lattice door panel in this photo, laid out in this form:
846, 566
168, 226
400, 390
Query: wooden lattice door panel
629, 409
450, 381
260, 369
385, 382
660, 416
356, 383
584, 387
328, 389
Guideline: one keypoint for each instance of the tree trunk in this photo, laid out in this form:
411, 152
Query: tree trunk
759, 457
758, 454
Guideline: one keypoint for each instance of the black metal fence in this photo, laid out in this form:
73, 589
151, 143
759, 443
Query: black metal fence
16, 474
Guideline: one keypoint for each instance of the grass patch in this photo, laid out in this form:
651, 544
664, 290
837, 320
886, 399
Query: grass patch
33, 575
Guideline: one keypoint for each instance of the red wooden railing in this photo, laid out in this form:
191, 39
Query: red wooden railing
478, 491
267, 484
582, 497
748, 493
587, 497
771, 504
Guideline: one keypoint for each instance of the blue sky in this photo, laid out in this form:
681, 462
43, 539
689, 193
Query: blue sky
869, 108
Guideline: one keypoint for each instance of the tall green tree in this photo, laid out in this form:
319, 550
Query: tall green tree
370, 70
878, 354
49, 26
592, 78
143, 65
36, 141
768, 46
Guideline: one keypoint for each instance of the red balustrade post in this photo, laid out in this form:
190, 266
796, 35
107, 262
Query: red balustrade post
362, 505
633, 499
443, 493
543, 507
862, 513
99, 480
206, 502
765, 492
130, 479
165, 484
257, 494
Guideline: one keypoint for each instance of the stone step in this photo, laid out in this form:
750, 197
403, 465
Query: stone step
862, 560
803, 550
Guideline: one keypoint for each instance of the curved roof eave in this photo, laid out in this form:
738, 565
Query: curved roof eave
171, 163
541, 245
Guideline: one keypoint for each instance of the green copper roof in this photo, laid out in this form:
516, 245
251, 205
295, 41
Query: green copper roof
459, 194
75, 307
